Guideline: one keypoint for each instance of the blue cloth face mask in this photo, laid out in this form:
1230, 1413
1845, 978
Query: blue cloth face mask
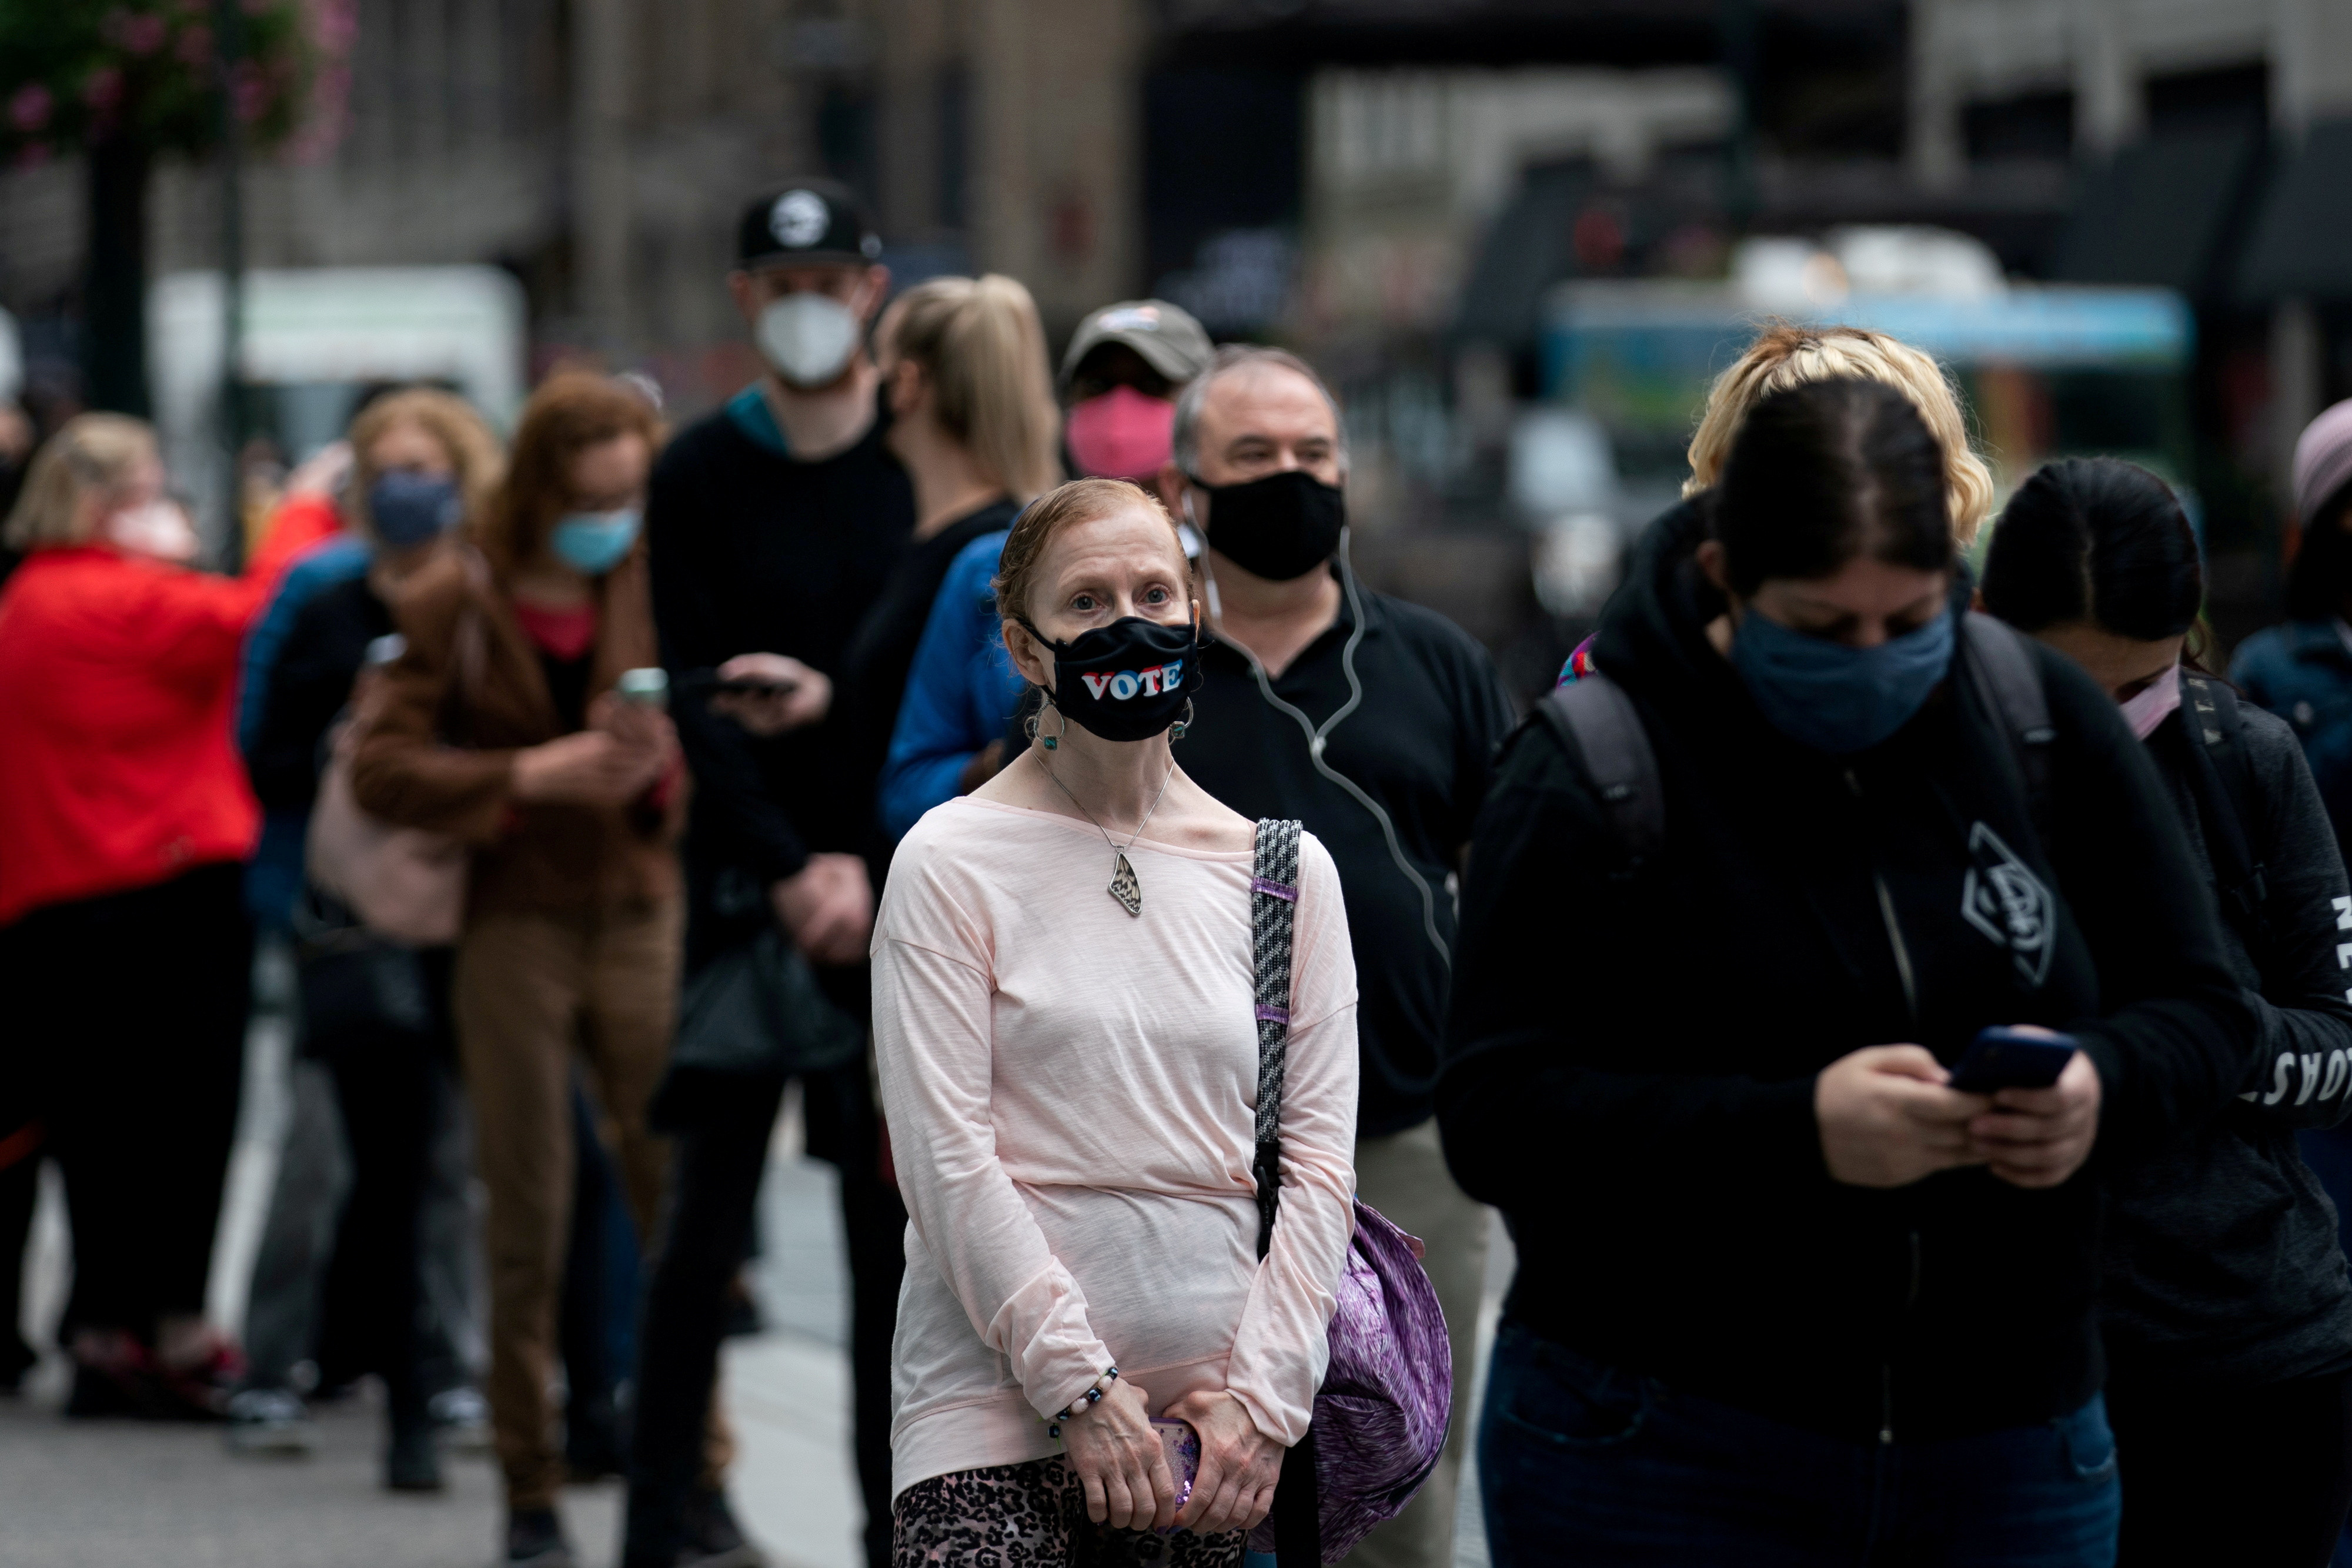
406, 509
1833, 698
595, 542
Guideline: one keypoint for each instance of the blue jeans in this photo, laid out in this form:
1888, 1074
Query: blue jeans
1586, 1464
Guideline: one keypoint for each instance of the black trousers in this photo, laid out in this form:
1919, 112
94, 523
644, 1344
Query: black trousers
20, 1185
388, 1100
713, 1196
133, 1014
2253, 1478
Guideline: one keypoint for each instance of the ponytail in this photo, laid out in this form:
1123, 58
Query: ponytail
982, 348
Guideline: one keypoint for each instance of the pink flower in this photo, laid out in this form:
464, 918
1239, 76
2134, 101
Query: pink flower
195, 49
28, 111
334, 23
143, 34
251, 95
103, 88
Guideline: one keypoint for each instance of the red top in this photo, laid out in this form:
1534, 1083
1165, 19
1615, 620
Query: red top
299, 522
567, 634
117, 685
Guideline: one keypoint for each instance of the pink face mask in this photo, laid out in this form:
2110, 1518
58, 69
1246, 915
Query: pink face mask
1122, 435
2149, 709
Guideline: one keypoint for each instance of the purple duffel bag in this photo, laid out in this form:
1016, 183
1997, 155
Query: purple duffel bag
1381, 1414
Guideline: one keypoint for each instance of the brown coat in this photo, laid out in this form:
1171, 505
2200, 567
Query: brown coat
539, 856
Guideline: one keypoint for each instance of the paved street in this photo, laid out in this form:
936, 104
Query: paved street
126, 1495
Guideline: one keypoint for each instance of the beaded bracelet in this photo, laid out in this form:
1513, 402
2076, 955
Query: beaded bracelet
1081, 1404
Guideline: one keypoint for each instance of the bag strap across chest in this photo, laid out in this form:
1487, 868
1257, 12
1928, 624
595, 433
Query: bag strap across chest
1274, 908
1603, 730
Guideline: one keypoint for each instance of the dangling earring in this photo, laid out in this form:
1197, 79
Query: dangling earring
1176, 731
1052, 742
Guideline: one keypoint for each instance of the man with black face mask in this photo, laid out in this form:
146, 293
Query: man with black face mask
772, 525
1373, 721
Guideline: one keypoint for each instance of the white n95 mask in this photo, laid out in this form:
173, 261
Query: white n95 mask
807, 338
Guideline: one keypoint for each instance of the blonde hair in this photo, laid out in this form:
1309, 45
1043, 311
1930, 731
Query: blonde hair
91, 455
473, 452
1785, 356
980, 346
1061, 507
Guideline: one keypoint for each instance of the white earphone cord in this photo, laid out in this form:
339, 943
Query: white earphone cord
1315, 735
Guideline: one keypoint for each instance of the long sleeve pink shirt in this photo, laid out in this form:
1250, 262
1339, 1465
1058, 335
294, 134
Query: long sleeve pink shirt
1072, 1098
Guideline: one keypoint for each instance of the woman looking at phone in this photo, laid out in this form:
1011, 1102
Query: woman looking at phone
499, 724
1065, 1015
2227, 1316
1819, 1306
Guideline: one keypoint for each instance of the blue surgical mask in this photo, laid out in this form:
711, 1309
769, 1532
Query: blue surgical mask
595, 542
406, 509
1833, 698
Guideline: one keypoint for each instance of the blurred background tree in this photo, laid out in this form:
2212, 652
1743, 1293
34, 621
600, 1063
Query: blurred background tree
124, 82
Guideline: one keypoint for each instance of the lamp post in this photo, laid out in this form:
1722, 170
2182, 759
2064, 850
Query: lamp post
229, 39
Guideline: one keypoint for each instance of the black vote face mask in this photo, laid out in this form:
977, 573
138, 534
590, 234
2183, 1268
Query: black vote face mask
1281, 527
1126, 681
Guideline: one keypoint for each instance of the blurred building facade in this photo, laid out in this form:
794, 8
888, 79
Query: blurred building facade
601, 150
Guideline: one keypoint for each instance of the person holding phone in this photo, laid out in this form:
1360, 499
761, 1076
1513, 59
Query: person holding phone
2226, 1314
498, 724
1063, 1014
1785, 1294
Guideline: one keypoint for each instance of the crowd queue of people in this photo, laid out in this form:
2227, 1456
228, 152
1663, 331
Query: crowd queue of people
609, 780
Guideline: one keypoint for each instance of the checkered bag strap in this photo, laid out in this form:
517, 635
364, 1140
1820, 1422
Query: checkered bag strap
1274, 905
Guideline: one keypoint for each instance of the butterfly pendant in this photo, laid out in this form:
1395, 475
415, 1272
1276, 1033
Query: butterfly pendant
1124, 887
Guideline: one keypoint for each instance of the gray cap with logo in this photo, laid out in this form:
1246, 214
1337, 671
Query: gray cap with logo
1167, 336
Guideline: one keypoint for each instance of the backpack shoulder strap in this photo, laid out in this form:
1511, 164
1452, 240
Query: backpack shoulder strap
1273, 907
2005, 669
1603, 731
2222, 775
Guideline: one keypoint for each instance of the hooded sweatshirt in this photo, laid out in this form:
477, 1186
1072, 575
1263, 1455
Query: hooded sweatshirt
2222, 1263
1631, 1061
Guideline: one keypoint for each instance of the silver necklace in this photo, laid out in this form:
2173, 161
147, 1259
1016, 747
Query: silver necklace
1123, 883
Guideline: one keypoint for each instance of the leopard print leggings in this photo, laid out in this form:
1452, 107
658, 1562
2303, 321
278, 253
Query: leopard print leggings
1031, 1515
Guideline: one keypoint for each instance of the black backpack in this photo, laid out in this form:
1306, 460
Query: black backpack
2229, 802
1598, 723
1601, 729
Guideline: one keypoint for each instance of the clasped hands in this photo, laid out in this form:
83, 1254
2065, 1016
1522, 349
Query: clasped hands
1888, 1117
1123, 1466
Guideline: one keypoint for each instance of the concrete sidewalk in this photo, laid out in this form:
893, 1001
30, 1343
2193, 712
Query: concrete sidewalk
127, 1495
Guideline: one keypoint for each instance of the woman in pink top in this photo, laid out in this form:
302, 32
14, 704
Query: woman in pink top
1064, 1014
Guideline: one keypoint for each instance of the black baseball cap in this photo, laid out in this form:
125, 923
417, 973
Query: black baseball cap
812, 223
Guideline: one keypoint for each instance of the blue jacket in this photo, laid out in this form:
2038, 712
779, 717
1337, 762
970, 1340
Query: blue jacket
960, 693
324, 566
2302, 671
273, 877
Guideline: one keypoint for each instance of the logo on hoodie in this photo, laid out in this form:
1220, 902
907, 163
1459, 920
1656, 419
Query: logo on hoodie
2002, 898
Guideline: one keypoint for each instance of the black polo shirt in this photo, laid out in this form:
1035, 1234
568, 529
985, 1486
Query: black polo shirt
1421, 743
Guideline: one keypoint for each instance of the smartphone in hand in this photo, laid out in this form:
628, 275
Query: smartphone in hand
2011, 1059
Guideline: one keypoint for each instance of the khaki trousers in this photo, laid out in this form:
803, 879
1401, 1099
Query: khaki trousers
531, 993
1404, 1176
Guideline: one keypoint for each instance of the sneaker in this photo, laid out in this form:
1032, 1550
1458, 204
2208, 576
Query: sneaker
462, 1417
270, 1421
713, 1538
534, 1540
412, 1462
201, 1390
